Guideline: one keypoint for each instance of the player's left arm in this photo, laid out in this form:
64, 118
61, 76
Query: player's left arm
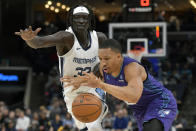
134, 75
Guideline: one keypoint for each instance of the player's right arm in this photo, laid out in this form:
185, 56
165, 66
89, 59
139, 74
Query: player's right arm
35, 41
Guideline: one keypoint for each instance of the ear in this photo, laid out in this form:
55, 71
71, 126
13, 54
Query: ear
119, 55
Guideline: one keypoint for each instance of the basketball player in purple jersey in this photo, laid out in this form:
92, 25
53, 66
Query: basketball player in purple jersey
77, 49
153, 105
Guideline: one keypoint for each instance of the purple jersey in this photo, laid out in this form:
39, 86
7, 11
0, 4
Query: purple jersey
155, 102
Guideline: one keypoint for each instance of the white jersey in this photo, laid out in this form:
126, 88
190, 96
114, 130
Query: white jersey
79, 60
75, 62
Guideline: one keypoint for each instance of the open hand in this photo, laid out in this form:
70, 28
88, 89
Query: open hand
89, 79
28, 34
73, 81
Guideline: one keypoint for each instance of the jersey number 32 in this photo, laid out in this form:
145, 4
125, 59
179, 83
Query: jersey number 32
81, 70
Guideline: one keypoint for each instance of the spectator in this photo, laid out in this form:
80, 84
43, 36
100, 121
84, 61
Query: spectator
35, 122
55, 107
187, 73
44, 122
1, 121
28, 113
174, 23
17, 112
11, 120
179, 123
120, 122
161, 16
11, 126
23, 122
68, 121
57, 123
108, 121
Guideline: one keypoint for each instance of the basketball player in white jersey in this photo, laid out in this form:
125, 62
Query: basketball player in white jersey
77, 49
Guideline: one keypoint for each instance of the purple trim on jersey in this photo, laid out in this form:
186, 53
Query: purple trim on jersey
155, 102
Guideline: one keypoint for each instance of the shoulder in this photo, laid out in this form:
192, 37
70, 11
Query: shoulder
134, 69
132, 66
66, 40
64, 37
64, 34
101, 37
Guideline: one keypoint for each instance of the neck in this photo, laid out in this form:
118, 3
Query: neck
83, 38
118, 66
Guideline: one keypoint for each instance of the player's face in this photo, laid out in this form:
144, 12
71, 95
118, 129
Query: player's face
109, 60
80, 21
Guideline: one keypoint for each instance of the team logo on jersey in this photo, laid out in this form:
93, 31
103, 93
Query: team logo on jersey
164, 112
121, 79
107, 77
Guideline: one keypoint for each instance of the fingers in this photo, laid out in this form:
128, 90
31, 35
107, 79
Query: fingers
84, 84
86, 74
37, 30
89, 75
30, 28
21, 31
17, 33
75, 88
66, 79
68, 85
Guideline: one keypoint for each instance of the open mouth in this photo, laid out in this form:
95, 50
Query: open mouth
105, 69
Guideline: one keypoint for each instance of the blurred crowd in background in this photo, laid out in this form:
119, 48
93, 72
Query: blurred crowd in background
176, 71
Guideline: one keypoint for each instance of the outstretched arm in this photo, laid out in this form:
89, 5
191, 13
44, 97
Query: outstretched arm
35, 41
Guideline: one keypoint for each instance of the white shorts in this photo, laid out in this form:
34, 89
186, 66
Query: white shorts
70, 95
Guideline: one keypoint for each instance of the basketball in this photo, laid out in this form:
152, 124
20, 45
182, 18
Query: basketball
86, 107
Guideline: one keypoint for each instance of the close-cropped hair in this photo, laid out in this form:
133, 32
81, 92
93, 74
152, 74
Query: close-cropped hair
111, 43
91, 17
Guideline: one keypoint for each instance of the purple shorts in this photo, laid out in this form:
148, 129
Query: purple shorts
156, 110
